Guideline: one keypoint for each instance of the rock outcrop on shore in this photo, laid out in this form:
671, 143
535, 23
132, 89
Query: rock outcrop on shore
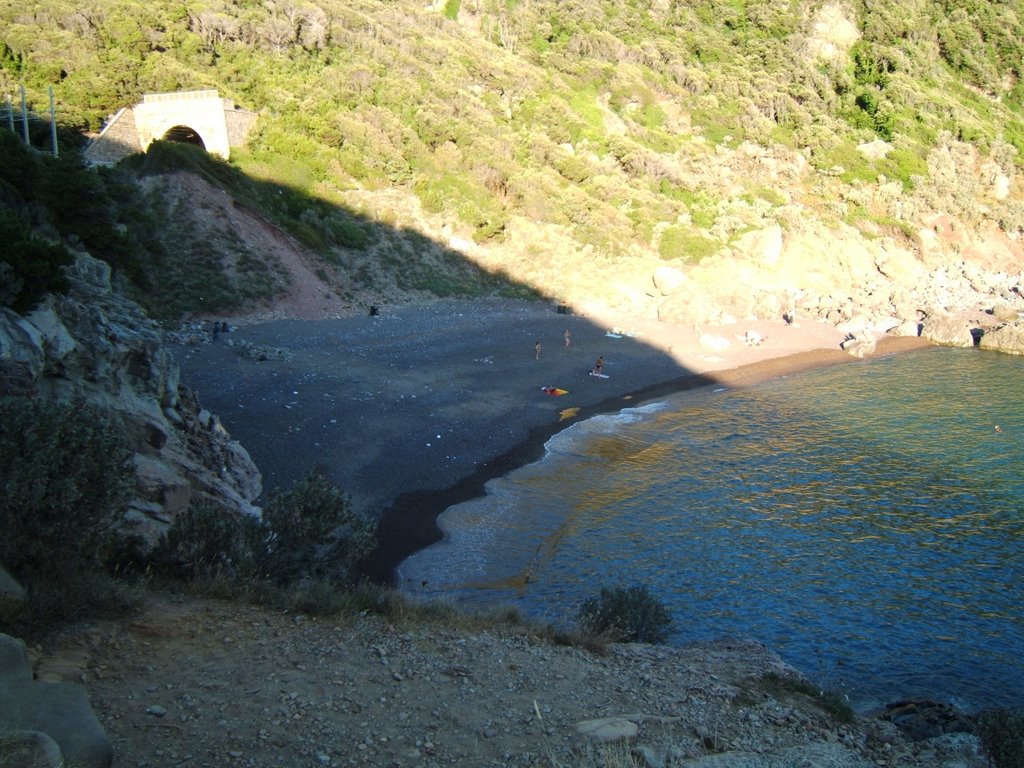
1008, 337
865, 288
93, 344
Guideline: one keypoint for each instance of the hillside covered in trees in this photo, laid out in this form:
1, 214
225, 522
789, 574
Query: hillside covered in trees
563, 144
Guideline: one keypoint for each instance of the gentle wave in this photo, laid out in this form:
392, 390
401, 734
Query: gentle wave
575, 439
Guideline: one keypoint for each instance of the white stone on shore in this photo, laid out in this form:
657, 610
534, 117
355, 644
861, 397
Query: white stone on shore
714, 342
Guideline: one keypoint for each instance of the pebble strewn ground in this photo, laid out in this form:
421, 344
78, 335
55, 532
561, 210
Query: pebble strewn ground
209, 683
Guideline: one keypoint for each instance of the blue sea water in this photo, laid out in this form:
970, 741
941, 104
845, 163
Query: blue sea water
865, 521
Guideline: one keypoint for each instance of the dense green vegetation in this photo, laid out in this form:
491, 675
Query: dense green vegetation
165, 252
597, 121
308, 531
67, 479
66, 482
629, 614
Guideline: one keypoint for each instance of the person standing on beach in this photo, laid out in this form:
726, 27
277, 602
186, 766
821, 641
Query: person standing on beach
536, 351
568, 338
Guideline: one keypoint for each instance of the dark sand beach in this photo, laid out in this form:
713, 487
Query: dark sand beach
414, 409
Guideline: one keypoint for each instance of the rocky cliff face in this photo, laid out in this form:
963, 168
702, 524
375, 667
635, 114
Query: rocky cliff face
94, 344
952, 285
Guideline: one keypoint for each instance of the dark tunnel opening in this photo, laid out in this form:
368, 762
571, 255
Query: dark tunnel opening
184, 135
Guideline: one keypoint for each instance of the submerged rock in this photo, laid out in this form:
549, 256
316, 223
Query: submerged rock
921, 719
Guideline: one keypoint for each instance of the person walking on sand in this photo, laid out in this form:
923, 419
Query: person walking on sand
568, 338
536, 351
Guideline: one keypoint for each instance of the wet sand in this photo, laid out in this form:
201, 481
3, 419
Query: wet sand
416, 409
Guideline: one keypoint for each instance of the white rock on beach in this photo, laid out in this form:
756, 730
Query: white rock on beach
668, 280
714, 342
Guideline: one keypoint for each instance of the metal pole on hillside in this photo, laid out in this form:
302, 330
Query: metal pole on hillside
53, 124
24, 115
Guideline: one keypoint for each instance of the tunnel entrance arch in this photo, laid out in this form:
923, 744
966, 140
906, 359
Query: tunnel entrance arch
201, 118
184, 135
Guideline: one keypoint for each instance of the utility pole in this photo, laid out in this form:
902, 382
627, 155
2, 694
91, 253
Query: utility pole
53, 124
24, 116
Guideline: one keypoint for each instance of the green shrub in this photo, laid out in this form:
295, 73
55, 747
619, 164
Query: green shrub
631, 614
66, 483
904, 165
1002, 736
701, 206
206, 541
585, 104
573, 168
681, 242
29, 267
350, 233
312, 530
307, 533
59, 598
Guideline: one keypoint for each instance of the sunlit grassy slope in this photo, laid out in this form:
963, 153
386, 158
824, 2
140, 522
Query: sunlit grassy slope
564, 142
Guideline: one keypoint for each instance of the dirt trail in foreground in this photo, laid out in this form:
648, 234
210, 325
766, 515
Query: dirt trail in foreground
210, 683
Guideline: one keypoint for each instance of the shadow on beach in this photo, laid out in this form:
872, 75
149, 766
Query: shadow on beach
415, 408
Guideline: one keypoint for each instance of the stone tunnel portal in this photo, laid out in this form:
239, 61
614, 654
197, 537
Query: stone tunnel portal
201, 118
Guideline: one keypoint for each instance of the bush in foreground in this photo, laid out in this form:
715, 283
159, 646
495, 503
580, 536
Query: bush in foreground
66, 482
1002, 736
628, 614
312, 530
64, 485
206, 541
309, 532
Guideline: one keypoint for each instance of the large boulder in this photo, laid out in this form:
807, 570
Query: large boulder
761, 246
860, 345
30, 749
668, 279
1005, 312
61, 711
949, 331
900, 268
1006, 338
688, 306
